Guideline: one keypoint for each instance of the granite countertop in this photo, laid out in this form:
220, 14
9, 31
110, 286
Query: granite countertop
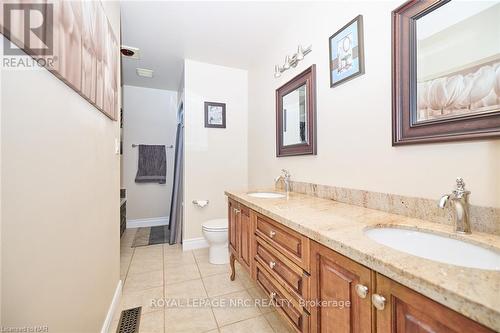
472, 292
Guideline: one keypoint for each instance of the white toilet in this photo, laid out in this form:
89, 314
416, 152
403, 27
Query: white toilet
215, 232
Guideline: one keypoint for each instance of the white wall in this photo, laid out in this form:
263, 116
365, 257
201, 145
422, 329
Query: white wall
149, 117
60, 203
354, 119
215, 159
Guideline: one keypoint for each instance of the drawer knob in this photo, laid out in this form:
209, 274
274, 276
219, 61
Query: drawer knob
361, 290
378, 301
272, 295
272, 233
272, 264
237, 211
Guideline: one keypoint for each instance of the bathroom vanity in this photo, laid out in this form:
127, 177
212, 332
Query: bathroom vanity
312, 257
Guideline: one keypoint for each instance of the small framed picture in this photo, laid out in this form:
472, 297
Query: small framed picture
346, 52
215, 115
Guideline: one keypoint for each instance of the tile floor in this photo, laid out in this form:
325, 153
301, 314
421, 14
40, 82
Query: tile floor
167, 274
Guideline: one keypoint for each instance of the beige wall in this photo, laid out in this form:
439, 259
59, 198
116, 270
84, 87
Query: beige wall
60, 203
215, 159
149, 117
354, 119
1, 203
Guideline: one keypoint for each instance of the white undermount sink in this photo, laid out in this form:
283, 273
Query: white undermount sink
268, 195
437, 248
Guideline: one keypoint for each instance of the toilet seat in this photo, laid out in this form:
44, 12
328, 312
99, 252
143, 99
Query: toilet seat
215, 225
215, 230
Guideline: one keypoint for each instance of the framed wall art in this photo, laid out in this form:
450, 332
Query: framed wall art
347, 53
74, 41
215, 115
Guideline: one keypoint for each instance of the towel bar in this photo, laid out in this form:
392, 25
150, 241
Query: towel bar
137, 145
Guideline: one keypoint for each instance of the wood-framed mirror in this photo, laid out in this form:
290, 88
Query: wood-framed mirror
445, 71
296, 115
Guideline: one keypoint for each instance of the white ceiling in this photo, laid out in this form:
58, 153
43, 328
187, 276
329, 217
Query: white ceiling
224, 33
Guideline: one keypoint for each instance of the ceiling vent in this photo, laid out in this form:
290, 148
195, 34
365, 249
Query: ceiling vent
130, 52
144, 72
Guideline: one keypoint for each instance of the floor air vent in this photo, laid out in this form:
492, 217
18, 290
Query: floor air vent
129, 321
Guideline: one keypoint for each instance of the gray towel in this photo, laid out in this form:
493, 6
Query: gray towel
152, 166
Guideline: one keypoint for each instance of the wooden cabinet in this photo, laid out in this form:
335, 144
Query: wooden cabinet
402, 310
240, 235
377, 303
316, 289
340, 290
233, 221
246, 238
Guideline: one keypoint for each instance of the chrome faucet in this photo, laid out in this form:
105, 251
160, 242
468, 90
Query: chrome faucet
285, 176
459, 199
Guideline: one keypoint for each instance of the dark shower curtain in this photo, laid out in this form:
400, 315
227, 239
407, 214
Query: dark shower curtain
176, 212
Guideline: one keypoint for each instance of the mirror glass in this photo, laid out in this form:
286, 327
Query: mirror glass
295, 117
458, 61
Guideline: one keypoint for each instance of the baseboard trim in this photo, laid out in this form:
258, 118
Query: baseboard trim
113, 307
149, 222
194, 243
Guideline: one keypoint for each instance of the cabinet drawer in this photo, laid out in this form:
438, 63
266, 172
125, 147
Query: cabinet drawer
292, 244
294, 315
290, 276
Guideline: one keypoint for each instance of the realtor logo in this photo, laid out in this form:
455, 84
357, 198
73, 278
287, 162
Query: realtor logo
30, 27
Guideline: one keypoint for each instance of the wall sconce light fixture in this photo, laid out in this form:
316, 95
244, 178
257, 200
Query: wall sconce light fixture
292, 61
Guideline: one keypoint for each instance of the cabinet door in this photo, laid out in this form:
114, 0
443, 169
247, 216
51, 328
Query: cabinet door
406, 311
246, 238
336, 288
233, 230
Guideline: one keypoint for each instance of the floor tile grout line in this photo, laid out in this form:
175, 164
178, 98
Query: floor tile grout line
260, 310
179, 282
268, 322
153, 287
128, 267
238, 321
249, 318
206, 292
142, 290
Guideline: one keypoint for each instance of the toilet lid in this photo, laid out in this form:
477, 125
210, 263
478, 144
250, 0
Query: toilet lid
215, 224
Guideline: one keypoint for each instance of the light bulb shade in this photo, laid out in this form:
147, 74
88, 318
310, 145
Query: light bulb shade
277, 71
300, 53
287, 63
